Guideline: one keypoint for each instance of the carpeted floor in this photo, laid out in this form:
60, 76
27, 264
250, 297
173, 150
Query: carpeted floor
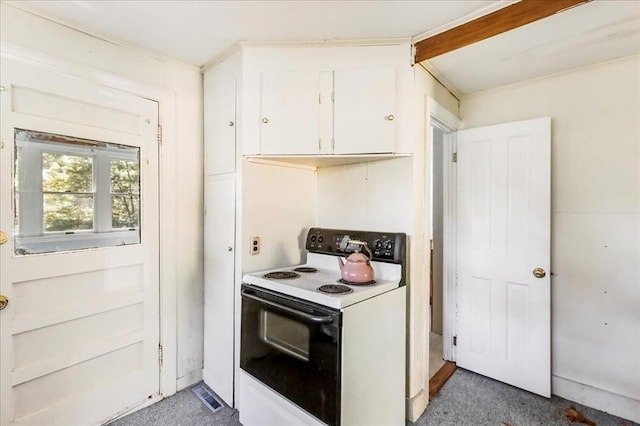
470, 399
466, 399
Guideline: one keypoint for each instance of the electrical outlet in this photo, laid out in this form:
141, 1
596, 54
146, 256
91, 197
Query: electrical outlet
255, 245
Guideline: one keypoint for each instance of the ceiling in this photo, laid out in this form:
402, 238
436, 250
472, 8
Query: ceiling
592, 33
195, 32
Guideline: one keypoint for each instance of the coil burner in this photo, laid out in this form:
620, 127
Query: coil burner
281, 275
307, 269
354, 283
335, 289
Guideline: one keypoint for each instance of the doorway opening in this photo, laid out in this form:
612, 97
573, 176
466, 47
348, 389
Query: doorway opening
442, 126
436, 357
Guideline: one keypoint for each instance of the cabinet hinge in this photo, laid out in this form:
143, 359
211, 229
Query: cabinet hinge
455, 340
160, 354
455, 157
319, 143
333, 96
160, 134
333, 143
320, 98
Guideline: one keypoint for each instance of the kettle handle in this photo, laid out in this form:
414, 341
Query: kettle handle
363, 244
368, 250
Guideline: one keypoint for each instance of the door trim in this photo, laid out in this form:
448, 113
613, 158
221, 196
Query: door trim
440, 117
167, 214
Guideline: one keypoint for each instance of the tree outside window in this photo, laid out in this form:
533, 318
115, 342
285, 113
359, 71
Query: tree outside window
73, 193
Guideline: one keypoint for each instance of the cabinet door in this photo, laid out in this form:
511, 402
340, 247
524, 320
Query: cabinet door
219, 282
220, 119
290, 112
364, 110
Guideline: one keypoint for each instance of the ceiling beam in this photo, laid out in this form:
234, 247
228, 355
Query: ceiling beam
503, 20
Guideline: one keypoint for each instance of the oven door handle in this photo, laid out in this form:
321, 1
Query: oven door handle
311, 318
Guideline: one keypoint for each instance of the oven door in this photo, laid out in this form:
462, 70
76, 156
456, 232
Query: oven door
293, 346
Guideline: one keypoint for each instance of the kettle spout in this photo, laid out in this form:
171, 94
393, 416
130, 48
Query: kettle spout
340, 263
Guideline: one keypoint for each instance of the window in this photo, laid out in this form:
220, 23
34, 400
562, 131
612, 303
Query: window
73, 193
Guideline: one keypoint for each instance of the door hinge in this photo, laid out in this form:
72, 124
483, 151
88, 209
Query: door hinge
455, 340
455, 157
431, 244
160, 354
160, 134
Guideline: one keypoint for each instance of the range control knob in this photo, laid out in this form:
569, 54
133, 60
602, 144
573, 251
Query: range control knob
377, 244
313, 238
320, 238
388, 245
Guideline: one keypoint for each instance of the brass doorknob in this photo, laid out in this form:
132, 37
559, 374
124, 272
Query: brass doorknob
539, 273
3, 237
4, 301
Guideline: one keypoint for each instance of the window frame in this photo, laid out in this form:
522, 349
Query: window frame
30, 214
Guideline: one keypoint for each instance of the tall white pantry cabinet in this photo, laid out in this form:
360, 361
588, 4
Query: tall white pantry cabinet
321, 105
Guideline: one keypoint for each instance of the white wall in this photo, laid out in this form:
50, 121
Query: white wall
279, 206
595, 186
373, 196
185, 81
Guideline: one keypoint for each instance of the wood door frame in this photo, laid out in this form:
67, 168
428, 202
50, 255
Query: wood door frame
166, 181
443, 119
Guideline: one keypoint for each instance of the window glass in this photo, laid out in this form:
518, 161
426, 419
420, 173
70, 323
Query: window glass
67, 187
125, 193
73, 193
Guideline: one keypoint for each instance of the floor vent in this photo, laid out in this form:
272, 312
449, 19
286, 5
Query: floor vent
207, 396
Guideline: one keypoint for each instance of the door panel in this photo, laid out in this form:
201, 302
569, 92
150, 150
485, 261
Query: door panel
220, 119
364, 110
290, 112
80, 334
219, 273
503, 234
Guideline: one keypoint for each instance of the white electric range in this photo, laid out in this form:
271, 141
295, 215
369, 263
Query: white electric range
318, 351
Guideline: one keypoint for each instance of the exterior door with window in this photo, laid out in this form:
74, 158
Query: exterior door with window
79, 206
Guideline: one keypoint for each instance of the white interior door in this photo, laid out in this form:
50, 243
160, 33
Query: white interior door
80, 333
219, 267
503, 236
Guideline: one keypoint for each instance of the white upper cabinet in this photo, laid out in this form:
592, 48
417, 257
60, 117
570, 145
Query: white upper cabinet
290, 112
220, 119
346, 111
323, 101
364, 110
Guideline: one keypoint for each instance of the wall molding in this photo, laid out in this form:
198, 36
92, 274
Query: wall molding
189, 379
600, 399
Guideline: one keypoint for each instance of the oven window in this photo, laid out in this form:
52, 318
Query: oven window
284, 334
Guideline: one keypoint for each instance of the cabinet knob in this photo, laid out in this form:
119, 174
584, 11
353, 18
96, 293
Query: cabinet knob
265, 120
231, 124
229, 248
390, 117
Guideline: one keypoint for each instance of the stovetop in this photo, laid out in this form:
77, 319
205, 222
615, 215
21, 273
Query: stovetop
387, 278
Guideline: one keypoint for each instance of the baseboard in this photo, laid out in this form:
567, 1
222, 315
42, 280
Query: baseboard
416, 405
609, 402
189, 379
